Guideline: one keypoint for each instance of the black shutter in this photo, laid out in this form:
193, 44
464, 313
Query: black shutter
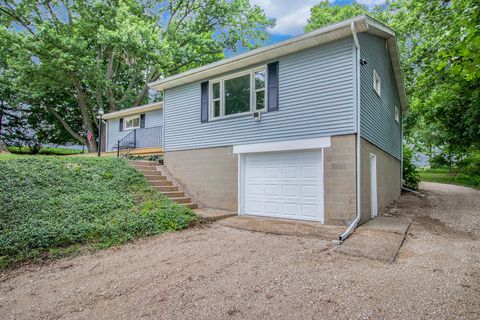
272, 69
204, 102
142, 120
120, 127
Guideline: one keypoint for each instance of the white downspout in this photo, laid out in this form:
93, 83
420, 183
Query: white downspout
355, 222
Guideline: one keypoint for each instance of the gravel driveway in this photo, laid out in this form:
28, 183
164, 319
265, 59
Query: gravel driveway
216, 272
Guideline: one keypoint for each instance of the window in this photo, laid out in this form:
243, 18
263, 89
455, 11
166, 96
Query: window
259, 94
238, 94
131, 122
397, 114
377, 83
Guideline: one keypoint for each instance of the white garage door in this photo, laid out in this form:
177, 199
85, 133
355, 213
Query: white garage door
284, 185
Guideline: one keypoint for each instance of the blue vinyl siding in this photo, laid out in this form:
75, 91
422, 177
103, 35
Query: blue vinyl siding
316, 98
377, 118
152, 119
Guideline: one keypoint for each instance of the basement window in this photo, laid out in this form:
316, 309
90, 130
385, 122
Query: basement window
377, 83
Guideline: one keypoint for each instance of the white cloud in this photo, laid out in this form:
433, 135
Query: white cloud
292, 15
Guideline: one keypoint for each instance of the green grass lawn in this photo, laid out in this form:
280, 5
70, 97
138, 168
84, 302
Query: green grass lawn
53, 206
445, 176
46, 151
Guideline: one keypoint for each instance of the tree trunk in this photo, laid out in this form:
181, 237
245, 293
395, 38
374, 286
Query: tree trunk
3, 146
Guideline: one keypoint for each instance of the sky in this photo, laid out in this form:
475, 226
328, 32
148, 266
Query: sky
292, 15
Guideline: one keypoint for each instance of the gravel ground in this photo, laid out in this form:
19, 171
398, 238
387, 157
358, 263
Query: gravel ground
216, 272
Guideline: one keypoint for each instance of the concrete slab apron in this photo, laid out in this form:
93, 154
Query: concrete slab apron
283, 227
378, 239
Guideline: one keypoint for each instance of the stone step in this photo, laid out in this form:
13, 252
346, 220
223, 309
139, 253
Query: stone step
174, 194
166, 188
190, 205
182, 200
160, 182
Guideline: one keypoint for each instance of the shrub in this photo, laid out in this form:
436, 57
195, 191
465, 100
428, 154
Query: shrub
411, 177
49, 205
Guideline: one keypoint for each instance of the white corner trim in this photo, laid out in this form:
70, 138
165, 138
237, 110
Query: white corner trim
290, 145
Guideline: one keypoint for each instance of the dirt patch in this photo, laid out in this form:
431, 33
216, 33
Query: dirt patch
217, 272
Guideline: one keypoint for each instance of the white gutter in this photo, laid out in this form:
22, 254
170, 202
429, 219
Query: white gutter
355, 222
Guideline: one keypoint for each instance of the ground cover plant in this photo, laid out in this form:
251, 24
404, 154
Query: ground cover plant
53, 206
45, 151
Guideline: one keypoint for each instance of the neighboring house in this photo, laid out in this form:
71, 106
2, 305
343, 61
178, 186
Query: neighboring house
139, 127
309, 129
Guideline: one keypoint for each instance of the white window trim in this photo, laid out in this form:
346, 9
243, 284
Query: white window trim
253, 93
375, 78
397, 114
131, 118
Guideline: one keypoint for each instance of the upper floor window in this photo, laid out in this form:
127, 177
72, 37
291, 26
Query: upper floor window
237, 94
397, 114
132, 122
377, 83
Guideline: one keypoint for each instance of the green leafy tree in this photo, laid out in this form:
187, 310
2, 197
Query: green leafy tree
439, 43
103, 54
324, 14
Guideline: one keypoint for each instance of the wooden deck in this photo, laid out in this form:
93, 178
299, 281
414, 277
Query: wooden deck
153, 151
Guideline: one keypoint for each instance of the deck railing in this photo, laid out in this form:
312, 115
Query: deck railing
140, 138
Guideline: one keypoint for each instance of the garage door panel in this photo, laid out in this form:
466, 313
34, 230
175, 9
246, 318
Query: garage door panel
272, 190
309, 210
289, 190
289, 172
284, 184
272, 207
272, 172
309, 172
291, 209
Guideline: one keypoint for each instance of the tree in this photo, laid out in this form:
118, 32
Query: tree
324, 14
439, 43
73, 58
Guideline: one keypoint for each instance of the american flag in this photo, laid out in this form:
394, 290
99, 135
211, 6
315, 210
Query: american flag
89, 136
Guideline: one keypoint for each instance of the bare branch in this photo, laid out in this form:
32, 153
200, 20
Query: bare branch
67, 126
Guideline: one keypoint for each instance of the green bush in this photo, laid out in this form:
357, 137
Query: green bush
411, 177
49, 205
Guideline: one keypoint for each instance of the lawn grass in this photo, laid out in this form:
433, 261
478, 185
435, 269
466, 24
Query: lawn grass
55, 206
46, 151
445, 176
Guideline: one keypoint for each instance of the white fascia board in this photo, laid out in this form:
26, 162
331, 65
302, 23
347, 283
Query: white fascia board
133, 111
290, 145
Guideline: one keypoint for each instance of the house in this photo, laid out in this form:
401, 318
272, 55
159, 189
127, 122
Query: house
309, 128
139, 128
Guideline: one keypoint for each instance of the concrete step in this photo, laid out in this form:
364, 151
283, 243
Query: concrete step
153, 176
166, 188
145, 168
143, 162
160, 183
190, 205
174, 194
182, 200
